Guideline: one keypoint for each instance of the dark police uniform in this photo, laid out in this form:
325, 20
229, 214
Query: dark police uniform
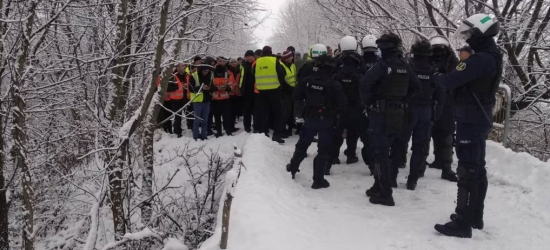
324, 99
354, 123
420, 118
385, 88
444, 127
474, 83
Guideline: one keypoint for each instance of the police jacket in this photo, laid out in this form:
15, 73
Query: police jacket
349, 77
431, 92
322, 95
370, 58
473, 80
389, 79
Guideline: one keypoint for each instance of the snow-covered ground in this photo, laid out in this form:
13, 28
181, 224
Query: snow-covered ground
272, 211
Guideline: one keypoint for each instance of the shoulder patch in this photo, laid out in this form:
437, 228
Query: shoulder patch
461, 66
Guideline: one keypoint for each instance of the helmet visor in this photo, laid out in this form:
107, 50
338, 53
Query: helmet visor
464, 31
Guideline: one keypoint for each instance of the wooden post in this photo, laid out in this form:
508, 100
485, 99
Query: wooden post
237, 165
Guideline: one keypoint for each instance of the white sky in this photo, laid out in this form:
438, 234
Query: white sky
264, 31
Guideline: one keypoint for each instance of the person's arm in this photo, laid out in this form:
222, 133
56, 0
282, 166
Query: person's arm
465, 72
415, 87
369, 81
299, 92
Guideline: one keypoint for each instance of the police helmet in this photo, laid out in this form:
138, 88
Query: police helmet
439, 41
369, 43
347, 43
318, 50
478, 25
422, 48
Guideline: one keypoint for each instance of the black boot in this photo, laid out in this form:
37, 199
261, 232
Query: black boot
476, 224
320, 163
411, 185
352, 159
435, 165
278, 139
456, 228
374, 190
386, 200
449, 175
327, 170
335, 161
292, 170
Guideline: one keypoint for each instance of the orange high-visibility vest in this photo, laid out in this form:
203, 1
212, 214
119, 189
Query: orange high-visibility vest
234, 83
167, 94
186, 87
178, 94
255, 85
220, 82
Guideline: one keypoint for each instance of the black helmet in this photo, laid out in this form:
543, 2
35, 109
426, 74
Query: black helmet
389, 41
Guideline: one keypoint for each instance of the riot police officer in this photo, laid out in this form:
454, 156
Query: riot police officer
369, 48
353, 124
444, 128
420, 114
385, 89
324, 100
474, 82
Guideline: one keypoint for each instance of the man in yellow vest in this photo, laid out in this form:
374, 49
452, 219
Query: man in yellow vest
287, 78
267, 82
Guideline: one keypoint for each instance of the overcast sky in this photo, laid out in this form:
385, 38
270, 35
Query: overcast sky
265, 30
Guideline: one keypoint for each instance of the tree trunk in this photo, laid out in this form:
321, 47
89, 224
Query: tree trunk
19, 133
115, 159
4, 206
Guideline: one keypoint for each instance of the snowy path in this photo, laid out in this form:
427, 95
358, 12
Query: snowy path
272, 211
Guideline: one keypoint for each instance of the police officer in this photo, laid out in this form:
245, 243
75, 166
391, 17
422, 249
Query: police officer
474, 82
369, 48
353, 123
444, 127
385, 89
420, 113
324, 101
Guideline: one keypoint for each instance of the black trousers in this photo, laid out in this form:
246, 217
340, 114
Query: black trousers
270, 106
312, 127
177, 105
248, 111
356, 125
442, 135
163, 115
221, 109
236, 108
288, 110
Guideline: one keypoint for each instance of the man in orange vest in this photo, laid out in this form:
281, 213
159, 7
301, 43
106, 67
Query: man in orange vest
177, 96
221, 105
235, 95
246, 85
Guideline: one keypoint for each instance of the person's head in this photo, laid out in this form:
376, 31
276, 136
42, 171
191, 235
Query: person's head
205, 69
465, 53
210, 61
291, 48
347, 43
233, 63
258, 53
478, 29
389, 43
287, 56
222, 61
329, 51
421, 48
440, 46
267, 51
249, 56
297, 57
240, 60
318, 50
181, 68
368, 44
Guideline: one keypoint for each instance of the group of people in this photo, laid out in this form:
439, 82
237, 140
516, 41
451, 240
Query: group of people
383, 97
390, 99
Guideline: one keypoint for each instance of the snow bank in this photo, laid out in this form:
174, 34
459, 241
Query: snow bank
174, 244
272, 211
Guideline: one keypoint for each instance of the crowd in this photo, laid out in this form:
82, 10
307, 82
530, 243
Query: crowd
384, 97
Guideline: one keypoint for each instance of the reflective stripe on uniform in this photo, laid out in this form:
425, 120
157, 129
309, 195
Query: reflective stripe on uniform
178, 94
290, 77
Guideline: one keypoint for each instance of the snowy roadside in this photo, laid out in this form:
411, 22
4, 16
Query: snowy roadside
272, 211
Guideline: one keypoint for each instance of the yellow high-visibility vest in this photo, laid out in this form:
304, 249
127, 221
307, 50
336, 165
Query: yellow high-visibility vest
266, 73
200, 96
290, 77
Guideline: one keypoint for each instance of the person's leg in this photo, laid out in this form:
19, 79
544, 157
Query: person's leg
248, 109
380, 144
197, 122
217, 107
258, 117
420, 134
228, 117
205, 115
323, 158
306, 137
176, 106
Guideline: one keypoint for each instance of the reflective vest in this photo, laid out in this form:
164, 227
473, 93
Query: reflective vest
178, 94
199, 96
186, 87
290, 77
266, 73
220, 82
234, 83
167, 94
255, 85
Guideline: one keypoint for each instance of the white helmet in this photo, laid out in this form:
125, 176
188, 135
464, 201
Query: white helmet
348, 43
369, 43
481, 25
439, 40
317, 50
